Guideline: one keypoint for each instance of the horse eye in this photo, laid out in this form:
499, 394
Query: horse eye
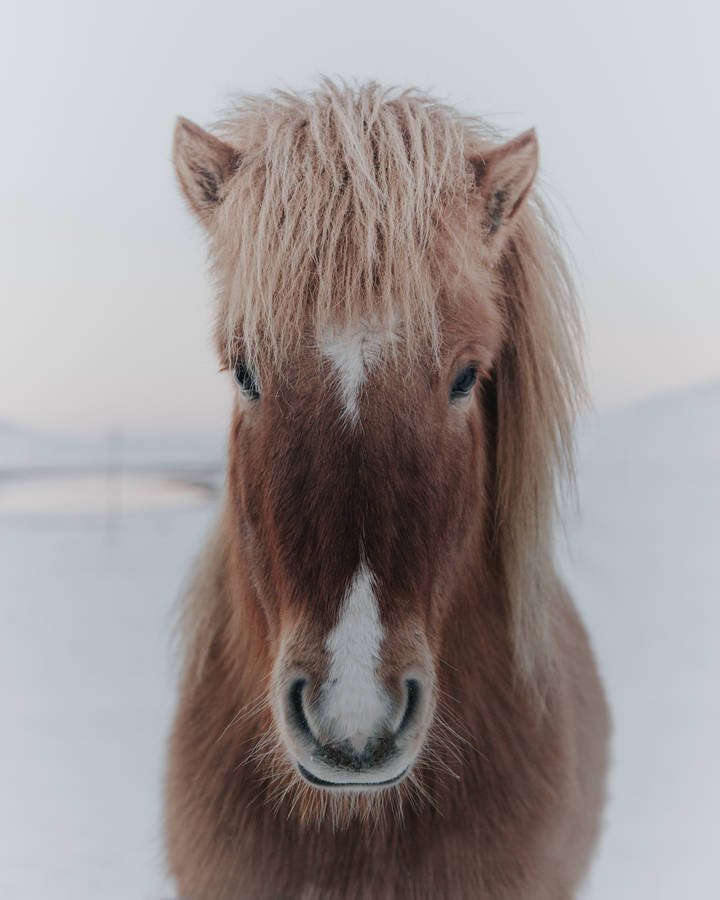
463, 384
246, 381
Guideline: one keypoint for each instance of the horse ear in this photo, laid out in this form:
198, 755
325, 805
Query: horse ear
203, 164
504, 176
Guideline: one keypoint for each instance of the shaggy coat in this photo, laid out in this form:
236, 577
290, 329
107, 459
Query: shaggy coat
386, 690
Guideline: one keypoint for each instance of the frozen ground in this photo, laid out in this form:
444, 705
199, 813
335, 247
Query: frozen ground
86, 700
644, 566
86, 687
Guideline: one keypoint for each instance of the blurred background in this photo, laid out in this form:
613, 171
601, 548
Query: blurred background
113, 415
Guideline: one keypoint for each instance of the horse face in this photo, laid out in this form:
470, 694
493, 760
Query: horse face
359, 465
357, 477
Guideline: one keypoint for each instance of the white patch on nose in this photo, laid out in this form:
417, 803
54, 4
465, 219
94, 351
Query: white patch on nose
354, 702
353, 353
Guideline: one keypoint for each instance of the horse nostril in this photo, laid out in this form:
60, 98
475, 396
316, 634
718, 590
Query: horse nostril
412, 703
297, 707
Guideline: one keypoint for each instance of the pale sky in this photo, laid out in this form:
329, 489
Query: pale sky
105, 300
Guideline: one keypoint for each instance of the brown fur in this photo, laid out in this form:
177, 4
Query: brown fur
334, 209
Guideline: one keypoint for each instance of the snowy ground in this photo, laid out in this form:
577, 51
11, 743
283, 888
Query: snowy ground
87, 687
86, 700
644, 566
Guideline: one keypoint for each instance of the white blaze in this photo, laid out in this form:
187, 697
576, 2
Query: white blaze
354, 353
354, 702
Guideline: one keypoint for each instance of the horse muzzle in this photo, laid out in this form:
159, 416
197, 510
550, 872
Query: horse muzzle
363, 741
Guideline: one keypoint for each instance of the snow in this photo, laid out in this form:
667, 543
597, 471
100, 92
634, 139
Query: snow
87, 694
644, 566
88, 681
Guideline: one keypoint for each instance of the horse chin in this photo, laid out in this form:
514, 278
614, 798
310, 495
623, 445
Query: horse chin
342, 782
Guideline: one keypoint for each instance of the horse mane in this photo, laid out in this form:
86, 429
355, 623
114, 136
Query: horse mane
333, 216
331, 219
540, 389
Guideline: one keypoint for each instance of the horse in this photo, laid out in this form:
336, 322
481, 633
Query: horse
386, 690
